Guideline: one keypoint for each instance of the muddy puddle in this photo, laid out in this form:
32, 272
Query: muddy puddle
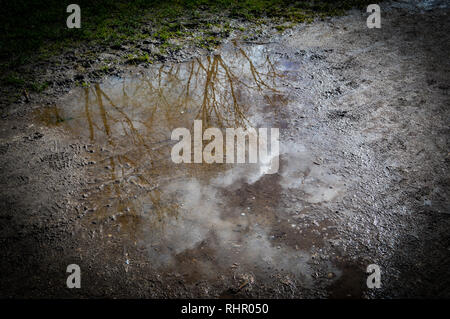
198, 219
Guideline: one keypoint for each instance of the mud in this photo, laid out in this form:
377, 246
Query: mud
363, 115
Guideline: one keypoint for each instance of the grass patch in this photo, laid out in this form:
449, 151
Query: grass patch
36, 30
33, 25
15, 80
136, 59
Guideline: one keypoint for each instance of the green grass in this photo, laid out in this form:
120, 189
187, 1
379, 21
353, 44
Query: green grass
36, 29
14, 79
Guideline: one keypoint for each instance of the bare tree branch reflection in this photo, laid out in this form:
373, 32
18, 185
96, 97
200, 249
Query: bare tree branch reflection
130, 120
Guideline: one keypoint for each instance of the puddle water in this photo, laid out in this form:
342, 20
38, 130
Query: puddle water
192, 217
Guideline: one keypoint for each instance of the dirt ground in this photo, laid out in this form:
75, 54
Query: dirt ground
363, 116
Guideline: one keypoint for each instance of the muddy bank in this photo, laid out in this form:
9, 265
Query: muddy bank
363, 116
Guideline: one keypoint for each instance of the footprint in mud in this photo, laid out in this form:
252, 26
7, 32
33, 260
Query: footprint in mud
59, 161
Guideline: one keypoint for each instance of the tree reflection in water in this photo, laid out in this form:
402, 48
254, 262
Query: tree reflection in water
128, 122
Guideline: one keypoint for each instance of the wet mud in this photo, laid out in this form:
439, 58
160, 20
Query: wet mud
363, 172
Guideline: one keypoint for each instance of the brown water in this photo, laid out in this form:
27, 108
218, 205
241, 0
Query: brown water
197, 217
